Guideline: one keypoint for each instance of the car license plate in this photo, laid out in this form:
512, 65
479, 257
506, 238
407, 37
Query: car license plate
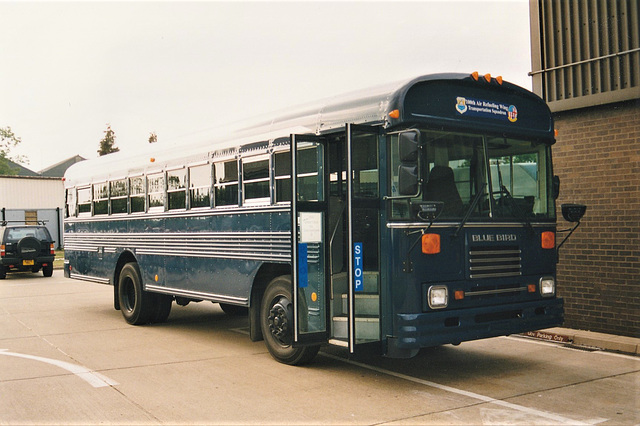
27, 263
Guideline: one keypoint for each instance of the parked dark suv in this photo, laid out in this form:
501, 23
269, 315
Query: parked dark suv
25, 248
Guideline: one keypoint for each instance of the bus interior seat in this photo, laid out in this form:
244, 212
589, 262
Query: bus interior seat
441, 186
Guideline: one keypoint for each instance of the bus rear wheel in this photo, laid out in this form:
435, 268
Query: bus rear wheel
136, 305
276, 321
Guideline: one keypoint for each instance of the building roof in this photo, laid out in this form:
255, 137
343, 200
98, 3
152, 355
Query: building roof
22, 171
58, 169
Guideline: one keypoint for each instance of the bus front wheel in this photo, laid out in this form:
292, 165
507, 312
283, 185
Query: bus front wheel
276, 321
136, 305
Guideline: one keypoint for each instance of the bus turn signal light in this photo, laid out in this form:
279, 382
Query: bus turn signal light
431, 243
548, 240
395, 113
458, 294
531, 288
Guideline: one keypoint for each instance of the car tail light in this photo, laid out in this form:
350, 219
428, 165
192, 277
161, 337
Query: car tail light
3, 251
52, 251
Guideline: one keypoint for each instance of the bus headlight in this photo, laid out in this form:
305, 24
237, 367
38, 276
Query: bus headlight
547, 286
438, 296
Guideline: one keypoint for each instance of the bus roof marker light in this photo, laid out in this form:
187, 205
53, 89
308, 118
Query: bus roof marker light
475, 75
395, 113
487, 77
152, 160
499, 80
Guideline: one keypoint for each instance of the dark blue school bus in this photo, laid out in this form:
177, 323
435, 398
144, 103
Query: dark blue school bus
406, 216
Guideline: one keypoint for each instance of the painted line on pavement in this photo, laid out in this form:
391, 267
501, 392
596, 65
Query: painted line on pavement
527, 410
95, 379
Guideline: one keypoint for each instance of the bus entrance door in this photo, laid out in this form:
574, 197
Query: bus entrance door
309, 248
355, 307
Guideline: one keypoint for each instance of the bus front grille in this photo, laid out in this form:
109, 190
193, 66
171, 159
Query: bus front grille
494, 262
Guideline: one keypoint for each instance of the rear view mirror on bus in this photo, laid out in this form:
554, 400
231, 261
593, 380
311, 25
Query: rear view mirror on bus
409, 170
573, 212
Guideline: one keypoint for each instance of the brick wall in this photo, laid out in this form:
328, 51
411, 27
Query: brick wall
597, 156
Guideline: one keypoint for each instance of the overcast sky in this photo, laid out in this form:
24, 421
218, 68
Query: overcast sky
69, 69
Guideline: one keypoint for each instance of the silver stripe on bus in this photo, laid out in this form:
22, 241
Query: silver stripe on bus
172, 214
90, 278
267, 246
406, 225
196, 294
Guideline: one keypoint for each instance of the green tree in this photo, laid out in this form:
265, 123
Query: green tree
9, 140
108, 143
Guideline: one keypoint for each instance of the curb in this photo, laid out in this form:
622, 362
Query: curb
588, 339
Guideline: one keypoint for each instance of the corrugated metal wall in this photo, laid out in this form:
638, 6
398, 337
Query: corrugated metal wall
585, 52
31, 193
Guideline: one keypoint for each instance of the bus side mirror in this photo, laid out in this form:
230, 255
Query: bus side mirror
556, 187
573, 212
409, 170
408, 179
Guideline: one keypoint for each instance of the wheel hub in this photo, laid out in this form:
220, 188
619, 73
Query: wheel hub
279, 320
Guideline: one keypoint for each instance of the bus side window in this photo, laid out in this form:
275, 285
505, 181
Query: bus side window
200, 186
118, 196
176, 189
100, 198
155, 190
282, 176
137, 194
84, 200
71, 202
226, 183
255, 180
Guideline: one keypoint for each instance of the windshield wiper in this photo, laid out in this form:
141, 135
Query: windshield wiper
470, 209
515, 209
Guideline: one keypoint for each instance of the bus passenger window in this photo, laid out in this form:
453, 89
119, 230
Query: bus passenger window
155, 190
137, 194
118, 196
84, 200
100, 198
226, 183
255, 180
176, 189
71, 202
200, 186
283, 176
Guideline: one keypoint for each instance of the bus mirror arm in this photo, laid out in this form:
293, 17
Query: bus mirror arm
433, 210
571, 213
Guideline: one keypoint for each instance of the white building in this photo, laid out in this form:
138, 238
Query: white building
31, 199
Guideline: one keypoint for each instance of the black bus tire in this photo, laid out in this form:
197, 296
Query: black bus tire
276, 321
162, 308
137, 306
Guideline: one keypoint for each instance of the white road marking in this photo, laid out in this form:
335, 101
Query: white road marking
529, 411
95, 379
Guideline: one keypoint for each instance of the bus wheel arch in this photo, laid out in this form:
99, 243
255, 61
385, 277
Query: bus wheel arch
125, 257
265, 274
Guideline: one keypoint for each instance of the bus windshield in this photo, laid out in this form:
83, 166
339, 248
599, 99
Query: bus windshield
454, 168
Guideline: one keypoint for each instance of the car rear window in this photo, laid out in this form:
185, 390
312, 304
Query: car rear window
16, 234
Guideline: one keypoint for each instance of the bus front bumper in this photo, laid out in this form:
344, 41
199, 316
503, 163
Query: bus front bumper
415, 331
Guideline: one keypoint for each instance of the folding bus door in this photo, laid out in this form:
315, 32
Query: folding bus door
309, 245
